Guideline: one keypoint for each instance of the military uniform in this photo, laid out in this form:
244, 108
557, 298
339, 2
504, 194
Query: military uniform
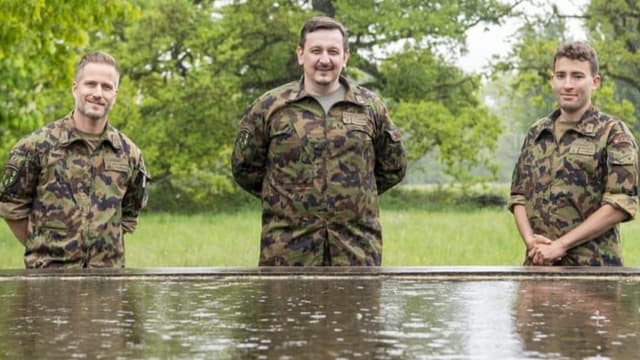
561, 183
78, 201
319, 176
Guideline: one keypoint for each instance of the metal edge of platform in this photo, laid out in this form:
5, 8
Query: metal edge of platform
451, 273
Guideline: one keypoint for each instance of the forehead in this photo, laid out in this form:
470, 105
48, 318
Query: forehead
99, 71
324, 38
567, 65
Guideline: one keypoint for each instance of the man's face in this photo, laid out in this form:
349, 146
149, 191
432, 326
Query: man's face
322, 58
572, 84
95, 90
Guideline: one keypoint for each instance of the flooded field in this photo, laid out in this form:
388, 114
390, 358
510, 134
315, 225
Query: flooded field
318, 317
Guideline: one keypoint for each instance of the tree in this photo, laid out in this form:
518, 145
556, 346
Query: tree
190, 68
40, 42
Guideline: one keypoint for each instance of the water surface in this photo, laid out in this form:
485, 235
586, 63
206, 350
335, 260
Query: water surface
318, 318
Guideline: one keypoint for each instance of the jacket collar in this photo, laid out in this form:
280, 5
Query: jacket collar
587, 125
351, 92
69, 134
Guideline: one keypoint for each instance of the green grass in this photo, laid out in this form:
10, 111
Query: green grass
412, 237
470, 237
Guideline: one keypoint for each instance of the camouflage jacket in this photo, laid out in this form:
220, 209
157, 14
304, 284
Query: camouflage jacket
78, 202
319, 176
561, 184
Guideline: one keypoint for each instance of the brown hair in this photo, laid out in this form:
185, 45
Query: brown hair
96, 57
323, 23
578, 50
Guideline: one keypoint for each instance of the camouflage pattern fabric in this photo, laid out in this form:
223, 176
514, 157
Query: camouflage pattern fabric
78, 203
561, 184
319, 176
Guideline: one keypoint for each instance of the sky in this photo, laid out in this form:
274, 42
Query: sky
483, 42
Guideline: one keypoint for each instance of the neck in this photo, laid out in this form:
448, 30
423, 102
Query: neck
321, 90
87, 125
573, 116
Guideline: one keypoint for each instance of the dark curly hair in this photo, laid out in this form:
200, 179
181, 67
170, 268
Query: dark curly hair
578, 50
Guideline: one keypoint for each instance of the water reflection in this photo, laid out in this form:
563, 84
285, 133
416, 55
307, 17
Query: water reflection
322, 319
579, 319
317, 318
68, 319
449, 319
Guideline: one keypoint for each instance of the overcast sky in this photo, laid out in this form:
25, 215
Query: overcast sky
483, 43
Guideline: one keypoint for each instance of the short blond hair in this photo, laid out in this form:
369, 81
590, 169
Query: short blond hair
97, 57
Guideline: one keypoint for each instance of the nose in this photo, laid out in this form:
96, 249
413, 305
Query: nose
568, 82
324, 57
97, 91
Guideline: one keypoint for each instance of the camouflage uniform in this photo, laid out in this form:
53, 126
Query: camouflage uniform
561, 184
319, 176
78, 202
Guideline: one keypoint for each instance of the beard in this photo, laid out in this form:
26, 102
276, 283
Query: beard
88, 111
324, 75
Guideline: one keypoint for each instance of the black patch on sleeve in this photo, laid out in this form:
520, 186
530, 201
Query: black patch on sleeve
9, 178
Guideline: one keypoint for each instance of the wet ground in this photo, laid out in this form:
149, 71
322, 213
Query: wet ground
469, 313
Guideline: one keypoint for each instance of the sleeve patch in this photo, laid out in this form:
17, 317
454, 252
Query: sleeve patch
9, 177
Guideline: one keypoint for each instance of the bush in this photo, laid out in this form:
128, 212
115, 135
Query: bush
437, 197
163, 197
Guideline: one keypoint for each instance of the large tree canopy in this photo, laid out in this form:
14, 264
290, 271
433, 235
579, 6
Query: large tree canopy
190, 68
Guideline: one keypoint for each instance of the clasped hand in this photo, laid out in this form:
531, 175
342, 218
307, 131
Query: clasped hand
544, 251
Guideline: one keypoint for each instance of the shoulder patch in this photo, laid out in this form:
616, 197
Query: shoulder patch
622, 138
242, 141
9, 177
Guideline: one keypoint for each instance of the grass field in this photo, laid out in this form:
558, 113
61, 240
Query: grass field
412, 237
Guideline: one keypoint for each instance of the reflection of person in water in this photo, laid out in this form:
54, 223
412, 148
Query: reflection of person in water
318, 319
54, 318
579, 319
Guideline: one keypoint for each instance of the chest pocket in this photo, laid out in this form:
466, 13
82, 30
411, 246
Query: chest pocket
356, 135
357, 124
289, 156
69, 167
116, 174
582, 161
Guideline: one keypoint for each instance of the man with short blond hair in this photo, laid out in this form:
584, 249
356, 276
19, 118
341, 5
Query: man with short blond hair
71, 189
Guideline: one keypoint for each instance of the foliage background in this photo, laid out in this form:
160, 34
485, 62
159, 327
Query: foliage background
191, 67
